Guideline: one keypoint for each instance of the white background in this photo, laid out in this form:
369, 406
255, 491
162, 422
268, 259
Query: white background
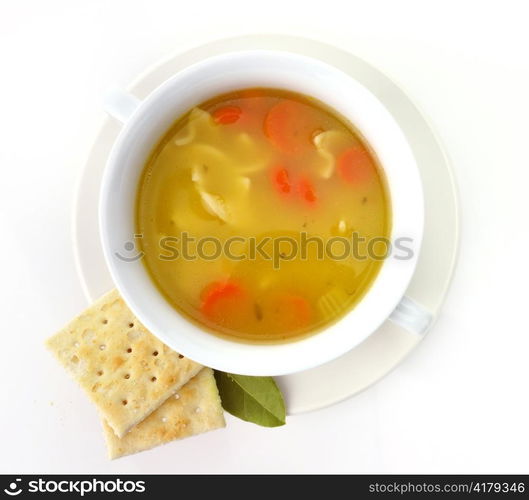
459, 403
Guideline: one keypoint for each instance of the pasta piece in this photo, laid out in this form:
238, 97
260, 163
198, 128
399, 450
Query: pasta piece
209, 184
215, 205
250, 157
219, 182
329, 145
198, 120
332, 303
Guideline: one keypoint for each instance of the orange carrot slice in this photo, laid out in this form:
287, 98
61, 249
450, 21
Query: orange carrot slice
281, 180
295, 311
288, 126
355, 166
218, 295
306, 190
226, 115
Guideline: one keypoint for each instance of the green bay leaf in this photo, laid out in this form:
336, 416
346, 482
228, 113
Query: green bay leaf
254, 399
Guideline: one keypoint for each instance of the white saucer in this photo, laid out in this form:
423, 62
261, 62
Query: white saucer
387, 347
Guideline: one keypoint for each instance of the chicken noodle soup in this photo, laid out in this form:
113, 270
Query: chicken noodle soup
262, 165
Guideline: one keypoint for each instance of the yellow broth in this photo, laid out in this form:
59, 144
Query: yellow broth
278, 168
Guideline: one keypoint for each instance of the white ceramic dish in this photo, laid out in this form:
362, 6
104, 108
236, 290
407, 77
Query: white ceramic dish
145, 123
385, 349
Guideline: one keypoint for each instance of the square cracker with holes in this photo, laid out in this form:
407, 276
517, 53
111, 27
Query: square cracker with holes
194, 409
125, 370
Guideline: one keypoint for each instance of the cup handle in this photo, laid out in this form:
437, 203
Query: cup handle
412, 317
120, 104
